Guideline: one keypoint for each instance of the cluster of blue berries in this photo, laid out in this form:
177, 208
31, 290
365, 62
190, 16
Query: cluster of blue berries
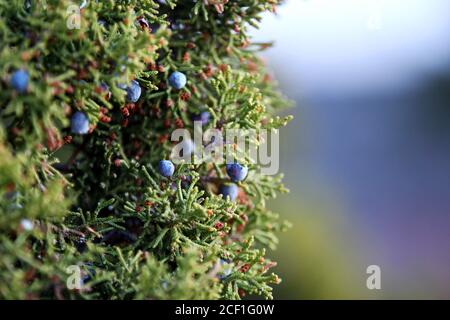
133, 90
236, 172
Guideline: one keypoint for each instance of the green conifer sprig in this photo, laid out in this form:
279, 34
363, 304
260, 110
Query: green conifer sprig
96, 201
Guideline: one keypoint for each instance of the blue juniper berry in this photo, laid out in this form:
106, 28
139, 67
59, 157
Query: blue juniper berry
236, 171
166, 168
80, 123
177, 80
134, 91
19, 80
229, 190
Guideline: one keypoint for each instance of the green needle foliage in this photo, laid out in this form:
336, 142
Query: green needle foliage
96, 200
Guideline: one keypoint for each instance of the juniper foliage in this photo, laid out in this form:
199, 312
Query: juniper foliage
96, 200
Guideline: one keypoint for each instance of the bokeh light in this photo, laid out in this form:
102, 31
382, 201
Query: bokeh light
367, 156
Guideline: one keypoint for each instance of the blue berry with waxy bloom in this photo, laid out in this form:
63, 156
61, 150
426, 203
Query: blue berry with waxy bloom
177, 80
19, 80
229, 190
236, 171
134, 91
80, 123
166, 168
203, 117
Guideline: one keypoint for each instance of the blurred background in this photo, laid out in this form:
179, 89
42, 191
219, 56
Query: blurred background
367, 157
